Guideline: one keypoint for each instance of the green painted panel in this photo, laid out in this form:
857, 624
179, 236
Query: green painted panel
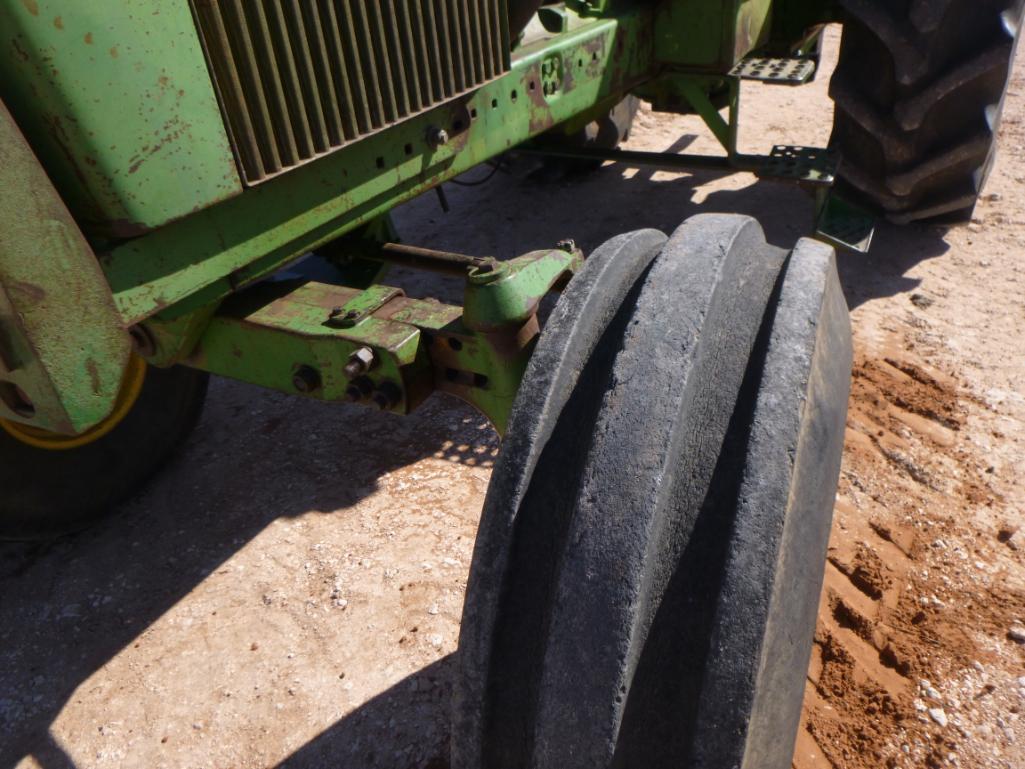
214, 252
711, 36
116, 100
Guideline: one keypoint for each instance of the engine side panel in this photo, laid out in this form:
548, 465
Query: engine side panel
117, 102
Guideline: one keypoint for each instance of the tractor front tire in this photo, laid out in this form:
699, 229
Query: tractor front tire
47, 490
648, 565
919, 90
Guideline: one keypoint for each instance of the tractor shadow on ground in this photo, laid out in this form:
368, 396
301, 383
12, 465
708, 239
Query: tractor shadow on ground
403, 727
67, 608
70, 606
513, 214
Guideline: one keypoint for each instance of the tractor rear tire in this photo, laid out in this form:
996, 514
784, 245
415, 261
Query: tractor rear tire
606, 133
50, 492
919, 90
647, 570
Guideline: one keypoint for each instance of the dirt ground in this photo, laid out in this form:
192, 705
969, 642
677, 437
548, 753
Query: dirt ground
287, 593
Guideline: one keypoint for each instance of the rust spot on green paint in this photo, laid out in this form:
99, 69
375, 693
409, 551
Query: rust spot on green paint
113, 52
20, 52
31, 6
58, 22
28, 293
88, 38
94, 375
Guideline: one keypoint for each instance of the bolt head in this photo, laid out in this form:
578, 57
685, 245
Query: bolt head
437, 137
306, 379
359, 362
566, 244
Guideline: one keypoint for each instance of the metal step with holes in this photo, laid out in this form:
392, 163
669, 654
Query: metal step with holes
806, 165
796, 71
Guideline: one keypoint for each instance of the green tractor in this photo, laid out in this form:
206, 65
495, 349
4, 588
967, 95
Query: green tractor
648, 564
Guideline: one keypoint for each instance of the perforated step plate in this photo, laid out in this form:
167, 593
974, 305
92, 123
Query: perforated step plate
775, 71
813, 166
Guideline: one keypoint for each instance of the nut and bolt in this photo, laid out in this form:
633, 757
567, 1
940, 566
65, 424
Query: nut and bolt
359, 388
306, 379
341, 316
566, 244
386, 395
359, 363
484, 265
437, 137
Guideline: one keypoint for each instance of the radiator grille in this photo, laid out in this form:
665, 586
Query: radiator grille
300, 78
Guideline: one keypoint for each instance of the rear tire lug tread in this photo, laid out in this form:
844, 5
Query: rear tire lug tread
916, 155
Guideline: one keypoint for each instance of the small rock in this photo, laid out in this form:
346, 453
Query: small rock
922, 301
994, 197
938, 715
432, 609
1017, 634
1007, 531
1021, 681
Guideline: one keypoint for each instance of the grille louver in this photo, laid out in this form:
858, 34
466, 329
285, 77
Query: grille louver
300, 78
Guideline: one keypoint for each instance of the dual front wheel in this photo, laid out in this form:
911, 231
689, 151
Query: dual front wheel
648, 565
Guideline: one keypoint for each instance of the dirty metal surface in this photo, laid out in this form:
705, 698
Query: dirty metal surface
62, 349
116, 101
209, 256
379, 347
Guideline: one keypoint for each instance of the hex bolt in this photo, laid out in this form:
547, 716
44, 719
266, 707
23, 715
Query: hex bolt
484, 265
566, 244
386, 395
359, 388
359, 363
306, 379
437, 137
